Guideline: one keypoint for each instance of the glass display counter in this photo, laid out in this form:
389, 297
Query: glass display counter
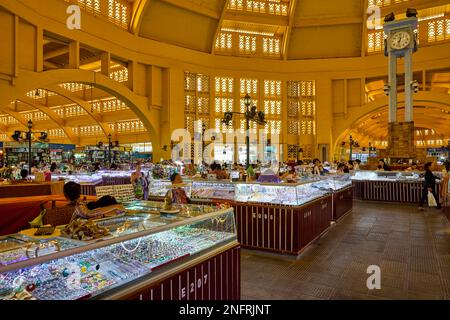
389, 186
79, 178
142, 250
386, 176
213, 190
333, 183
88, 182
159, 188
282, 194
282, 217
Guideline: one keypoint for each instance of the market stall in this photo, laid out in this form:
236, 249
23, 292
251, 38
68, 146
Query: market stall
144, 255
389, 186
293, 214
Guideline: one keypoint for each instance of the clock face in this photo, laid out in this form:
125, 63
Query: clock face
400, 40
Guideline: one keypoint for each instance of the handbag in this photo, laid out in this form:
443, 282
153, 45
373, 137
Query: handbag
431, 200
39, 220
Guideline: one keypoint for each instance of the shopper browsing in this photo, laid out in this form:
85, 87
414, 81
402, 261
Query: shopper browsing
137, 181
429, 186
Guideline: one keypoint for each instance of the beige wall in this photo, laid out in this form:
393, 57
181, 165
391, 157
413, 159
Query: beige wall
156, 70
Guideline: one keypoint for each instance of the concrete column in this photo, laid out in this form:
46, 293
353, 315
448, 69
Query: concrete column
74, 55
393, 89
408, 88
105, 62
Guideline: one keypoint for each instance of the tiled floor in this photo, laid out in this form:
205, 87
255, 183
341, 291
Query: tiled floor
411, 248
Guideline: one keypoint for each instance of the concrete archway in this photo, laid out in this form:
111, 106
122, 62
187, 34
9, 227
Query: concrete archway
50, 79
423, 99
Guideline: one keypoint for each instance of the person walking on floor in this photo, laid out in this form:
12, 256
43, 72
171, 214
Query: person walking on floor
429, 185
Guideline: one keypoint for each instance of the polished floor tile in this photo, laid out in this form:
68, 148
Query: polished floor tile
411, 248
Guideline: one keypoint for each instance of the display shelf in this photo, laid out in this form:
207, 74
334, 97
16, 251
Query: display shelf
141, 244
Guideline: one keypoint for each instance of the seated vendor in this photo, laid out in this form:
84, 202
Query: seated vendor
178, 193
24, 175
72, 192
289, 176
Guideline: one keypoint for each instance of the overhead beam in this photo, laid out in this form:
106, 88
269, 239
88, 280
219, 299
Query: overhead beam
56, 53
74, 55
90, 60
258, 18
53, 116
138, 10
194, 7
417, 4
364, 29
3, 127
287, 34
327, 21
219, 25
51, 65
19, 117
82, 103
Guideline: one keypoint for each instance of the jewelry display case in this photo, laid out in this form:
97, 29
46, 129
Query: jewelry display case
159, 188
282, 194
208, 190
87, 182
143, 251
342, 192
333, 183
390, 186
79, 178
387, 176
284, 218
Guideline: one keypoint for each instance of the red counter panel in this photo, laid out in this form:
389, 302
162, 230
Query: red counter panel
217, 278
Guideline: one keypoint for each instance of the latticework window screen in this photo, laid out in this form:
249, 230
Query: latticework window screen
196, 105
272, 106
274, 7
223, 102
301, 117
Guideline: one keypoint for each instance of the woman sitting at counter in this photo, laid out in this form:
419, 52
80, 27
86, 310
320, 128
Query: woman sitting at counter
72, 192
178, 194
382, 166
289, 176
24, 175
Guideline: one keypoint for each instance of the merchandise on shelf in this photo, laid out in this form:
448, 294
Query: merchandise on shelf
159, 188
213, 190
333, 183
387, 176
140, 243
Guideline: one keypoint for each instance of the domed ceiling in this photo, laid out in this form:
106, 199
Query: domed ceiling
275, 29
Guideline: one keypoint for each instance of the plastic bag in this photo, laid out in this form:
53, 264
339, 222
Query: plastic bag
431, 200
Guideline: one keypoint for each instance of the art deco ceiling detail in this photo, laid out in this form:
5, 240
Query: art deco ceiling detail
283, 29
